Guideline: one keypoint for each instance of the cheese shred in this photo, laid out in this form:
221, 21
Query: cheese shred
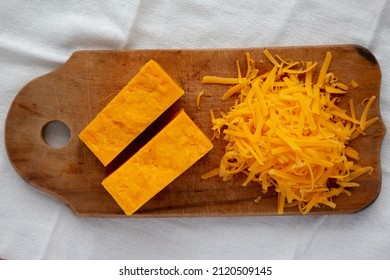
200, 94
286, 132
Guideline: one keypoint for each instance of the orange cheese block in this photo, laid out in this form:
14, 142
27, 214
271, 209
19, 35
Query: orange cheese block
130, 112
167, 155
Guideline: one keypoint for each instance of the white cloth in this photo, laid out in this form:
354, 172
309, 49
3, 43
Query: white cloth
38, 36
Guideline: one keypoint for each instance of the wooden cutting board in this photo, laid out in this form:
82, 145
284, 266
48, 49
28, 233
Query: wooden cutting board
75, 92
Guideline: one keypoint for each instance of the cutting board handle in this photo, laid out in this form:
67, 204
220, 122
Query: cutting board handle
41, 133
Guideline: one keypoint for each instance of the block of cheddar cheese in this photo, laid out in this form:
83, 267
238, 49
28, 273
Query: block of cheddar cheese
130, 112
167, 155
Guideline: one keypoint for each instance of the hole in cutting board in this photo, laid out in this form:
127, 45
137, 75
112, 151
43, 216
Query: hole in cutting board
56, 134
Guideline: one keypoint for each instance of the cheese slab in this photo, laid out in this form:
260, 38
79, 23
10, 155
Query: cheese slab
167, 155
130, 112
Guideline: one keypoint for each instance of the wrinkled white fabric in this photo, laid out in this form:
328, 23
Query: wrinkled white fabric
38, 36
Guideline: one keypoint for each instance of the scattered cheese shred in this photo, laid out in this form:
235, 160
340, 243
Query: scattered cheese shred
324, 69
288, 134
198, 99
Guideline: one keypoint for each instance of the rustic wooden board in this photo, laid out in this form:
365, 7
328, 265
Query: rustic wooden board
78, 90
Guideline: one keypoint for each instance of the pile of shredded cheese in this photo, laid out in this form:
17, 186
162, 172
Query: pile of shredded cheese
286, 132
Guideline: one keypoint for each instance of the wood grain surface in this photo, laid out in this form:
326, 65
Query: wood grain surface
78, 90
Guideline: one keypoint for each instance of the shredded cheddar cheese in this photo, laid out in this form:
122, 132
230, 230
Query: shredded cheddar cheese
286, 132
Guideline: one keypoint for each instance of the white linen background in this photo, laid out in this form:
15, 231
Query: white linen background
38, 36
